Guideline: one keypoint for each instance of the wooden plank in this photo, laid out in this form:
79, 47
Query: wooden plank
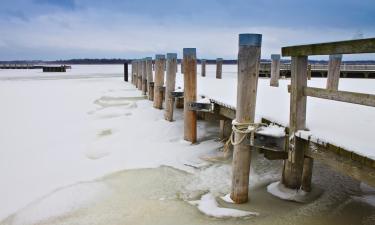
190, 93
293, 166
248, 73
332, 48
357, 170
170, 85
341, 96
333, 74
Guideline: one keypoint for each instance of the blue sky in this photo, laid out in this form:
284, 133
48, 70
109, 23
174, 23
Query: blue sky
63, 29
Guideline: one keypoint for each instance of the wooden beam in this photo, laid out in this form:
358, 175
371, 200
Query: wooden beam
341, 96
360, 171
332, 48
248, 73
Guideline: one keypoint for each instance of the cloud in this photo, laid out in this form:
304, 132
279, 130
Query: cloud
132, 29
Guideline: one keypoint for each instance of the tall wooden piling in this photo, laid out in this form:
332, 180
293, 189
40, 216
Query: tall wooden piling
203, 67
275, 70
159, 81
219, 68
139, 85
248, 73
133, 71
293, 166
126, 72
333, 75
149, 78
190, 93
144, 77
170, 85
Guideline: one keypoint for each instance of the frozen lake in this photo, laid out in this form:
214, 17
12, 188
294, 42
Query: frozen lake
83, 147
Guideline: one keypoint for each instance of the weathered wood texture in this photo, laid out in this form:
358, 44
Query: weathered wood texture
332, 48
149, 78
190, 93
219, 68
179, 103
351, 164
341, 96
170, 85
333, 75
248, 72
293, 166
203, 68
309, 71
275, 70
225, 129
159, 81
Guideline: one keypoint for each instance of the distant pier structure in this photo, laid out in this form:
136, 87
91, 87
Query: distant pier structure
45, 68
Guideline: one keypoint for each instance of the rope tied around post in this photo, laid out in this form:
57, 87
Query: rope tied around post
245, 128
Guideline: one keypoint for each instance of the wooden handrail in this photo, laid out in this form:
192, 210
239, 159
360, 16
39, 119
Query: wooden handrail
341, 96
331, 48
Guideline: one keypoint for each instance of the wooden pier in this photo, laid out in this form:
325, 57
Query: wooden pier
297, 151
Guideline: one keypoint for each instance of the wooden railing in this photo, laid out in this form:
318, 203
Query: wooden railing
297, 166
322, 67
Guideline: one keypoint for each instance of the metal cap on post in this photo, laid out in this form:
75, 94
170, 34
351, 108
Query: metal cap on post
190, 93
248, 73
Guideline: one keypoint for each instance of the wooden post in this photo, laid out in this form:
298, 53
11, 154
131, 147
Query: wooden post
333, 75
293, 166
159, 81
180, 103
219, 68
126, 73
144, 77
203, 70
149, 78
307, 174
190, 93
170, 85
248, 73
133, 71
182, 66
275, 70
225, 129
139, 85
309, 71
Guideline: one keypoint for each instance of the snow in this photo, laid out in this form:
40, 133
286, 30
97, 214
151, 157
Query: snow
272, 130
279, 190
342, 124
209, 206
227, 198
57, 131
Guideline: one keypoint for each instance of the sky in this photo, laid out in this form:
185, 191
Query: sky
65, 29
